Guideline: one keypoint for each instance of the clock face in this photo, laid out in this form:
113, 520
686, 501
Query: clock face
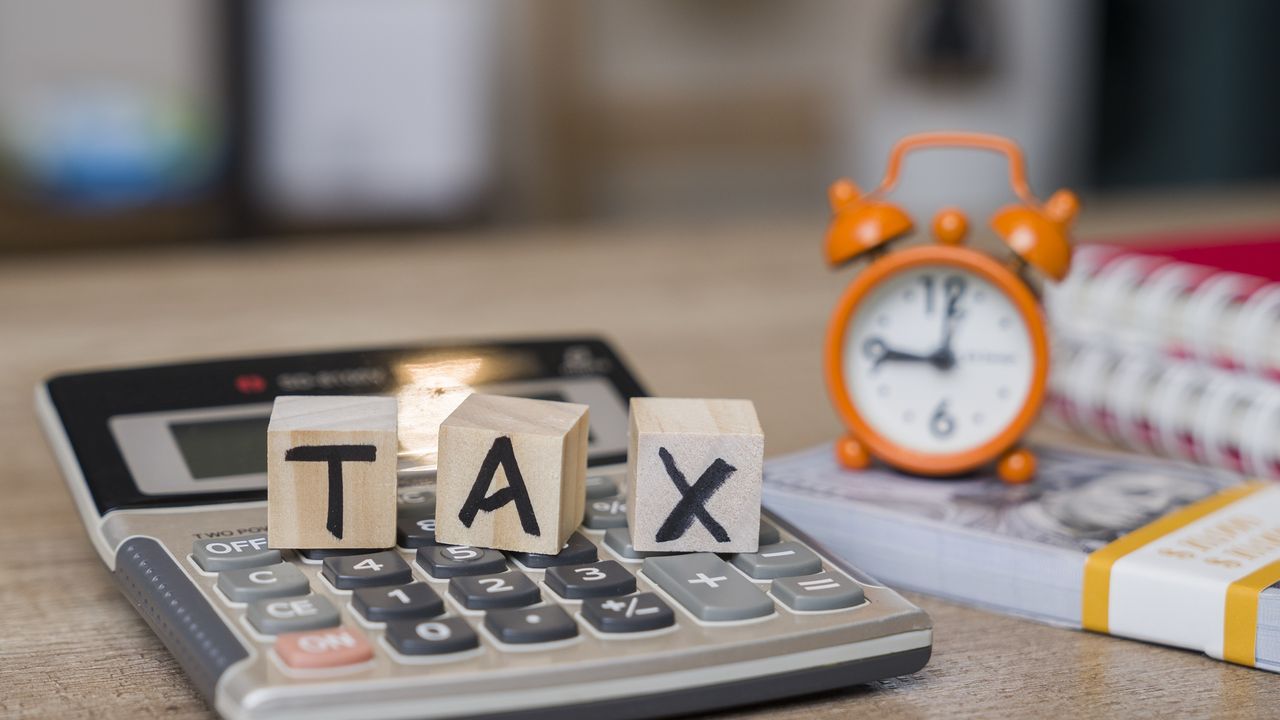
938, 360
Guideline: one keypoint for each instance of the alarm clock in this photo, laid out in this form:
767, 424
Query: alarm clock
937, 354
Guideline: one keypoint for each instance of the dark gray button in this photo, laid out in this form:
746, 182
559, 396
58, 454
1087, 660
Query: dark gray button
373, 570
531, 625
506, 590
768, 534
601, 486
605, 513
823, 591
415, 601
707, 587
446, 561
619, 540
416, 527
785, 559
324, 553
248, 584
634, 613
577, 551
417, 497
292, 614
601, 579
229, 554
432, 637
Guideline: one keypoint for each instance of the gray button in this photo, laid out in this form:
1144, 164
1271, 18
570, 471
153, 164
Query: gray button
601, 579
778, 560
576, 551
447, 561
708, 587
531, 625
487, 592
414, 601
232, 553
373, 570
605, 513
601, 486
634, 613
273, 581
431, 637
823, 591
768, 534
416, 527
292, 614
619, 540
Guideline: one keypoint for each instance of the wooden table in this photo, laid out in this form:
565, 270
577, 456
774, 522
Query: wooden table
732, 310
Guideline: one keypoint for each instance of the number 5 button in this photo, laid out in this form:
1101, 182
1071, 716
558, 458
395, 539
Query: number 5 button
446, 561
407, 602
359, 571
601, 579
510, 589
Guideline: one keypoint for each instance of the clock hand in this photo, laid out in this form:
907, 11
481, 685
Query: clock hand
878, 352
944, 358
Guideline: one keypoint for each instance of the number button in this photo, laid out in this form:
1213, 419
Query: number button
601, 486
510, 589
433, 637
634, 613
602, 579
447, 561
606, 513
531, 625
248, 584
576, 551
414, 601
416, 528
292, 614
358, 571
784, 559
823, 591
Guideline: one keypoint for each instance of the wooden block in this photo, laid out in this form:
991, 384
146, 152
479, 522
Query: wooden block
512, 473
694, 473
331, 472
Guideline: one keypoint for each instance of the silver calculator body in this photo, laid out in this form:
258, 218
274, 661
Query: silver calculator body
164, 461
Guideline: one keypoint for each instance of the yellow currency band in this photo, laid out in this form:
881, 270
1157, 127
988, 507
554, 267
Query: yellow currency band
1240, 627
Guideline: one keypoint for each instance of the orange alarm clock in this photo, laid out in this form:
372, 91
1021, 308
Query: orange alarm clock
936, 355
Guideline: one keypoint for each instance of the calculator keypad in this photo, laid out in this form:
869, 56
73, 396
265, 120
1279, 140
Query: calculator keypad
372, 570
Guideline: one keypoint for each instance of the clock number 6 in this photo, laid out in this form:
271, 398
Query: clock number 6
942, 424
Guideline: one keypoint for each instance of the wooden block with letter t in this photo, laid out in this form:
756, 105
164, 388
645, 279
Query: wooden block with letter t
331, 472
694, 472
512, 473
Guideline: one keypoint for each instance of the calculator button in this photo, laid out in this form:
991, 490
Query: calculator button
431, 637
601, 486
325, 553
634, 613
358, 571
778, 560
447, 561
273, 581
823, 591
241, 552
416, 527
601, 579
768, 534
605, 513
415, 601
417, 498
619, 540
292, 614
323, 648
531, 625
708, 587
576, 551
507, 590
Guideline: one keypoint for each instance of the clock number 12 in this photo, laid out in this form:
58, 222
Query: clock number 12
953, 288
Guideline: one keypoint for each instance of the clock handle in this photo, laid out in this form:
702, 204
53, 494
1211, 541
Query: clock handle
981, 141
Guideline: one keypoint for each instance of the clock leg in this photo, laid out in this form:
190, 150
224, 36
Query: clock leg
1017, 466
852, 454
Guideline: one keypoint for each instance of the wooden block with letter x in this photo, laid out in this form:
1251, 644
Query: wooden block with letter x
331, 472
512, 473
694, 472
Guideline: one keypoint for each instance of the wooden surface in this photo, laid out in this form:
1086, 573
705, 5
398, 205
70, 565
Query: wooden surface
713, 310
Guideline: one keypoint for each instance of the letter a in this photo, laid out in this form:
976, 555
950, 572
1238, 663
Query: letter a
500, 453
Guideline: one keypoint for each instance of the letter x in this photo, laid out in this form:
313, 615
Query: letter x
334, 455
693, 499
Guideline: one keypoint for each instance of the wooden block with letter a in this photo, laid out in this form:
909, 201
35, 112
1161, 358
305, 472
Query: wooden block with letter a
694, 472
331, 472
512, 473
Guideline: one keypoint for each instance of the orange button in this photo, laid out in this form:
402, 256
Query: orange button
331, 647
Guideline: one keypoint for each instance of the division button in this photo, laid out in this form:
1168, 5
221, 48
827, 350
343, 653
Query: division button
292, 614
331, 648
576, 551
416, 527
373, 570
431, 637
707, 587
823, 591
447, 561
634, 613
415, 601
488, 592
531, 625
249, 584
600, 579
229, 554
605, 513
784, 559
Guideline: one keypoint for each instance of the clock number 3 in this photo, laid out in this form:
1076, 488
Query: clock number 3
942, 424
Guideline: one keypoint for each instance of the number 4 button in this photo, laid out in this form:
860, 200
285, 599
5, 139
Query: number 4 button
359, 571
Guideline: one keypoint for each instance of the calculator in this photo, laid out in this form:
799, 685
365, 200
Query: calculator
166, 465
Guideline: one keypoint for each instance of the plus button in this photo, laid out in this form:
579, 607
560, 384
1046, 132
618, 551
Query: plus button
712, 582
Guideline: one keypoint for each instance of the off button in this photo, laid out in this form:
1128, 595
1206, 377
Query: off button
329, 648
234, 553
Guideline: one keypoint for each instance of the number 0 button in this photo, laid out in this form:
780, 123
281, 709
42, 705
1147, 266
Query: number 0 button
600, 579
414, 601
432, 637
358, 571
510, 589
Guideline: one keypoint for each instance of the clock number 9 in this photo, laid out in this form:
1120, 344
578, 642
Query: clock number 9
942, 424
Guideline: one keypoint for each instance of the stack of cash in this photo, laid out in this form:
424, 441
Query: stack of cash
1015, 549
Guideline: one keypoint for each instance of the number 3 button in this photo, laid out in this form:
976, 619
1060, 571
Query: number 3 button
600, 579
360, 571
508, 590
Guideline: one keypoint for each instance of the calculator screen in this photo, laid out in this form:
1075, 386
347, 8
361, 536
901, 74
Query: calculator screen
219, 448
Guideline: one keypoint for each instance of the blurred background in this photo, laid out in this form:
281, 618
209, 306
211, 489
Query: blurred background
178, 120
